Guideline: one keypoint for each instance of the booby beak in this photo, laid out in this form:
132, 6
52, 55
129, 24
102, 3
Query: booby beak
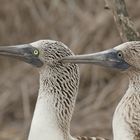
22, 52
108, 58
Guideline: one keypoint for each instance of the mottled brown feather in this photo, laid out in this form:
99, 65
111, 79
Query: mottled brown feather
91, 138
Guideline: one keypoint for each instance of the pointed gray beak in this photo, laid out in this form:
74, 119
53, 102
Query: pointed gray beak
108, 58
22, 52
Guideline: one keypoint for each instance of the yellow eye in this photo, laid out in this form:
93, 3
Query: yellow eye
36, 52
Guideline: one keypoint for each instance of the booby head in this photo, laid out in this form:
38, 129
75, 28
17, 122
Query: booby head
123, 57
58, 87
39, 53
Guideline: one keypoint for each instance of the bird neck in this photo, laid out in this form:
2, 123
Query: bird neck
126, 122
55, 103
134, 80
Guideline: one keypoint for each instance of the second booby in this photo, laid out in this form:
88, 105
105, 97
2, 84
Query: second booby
125, 57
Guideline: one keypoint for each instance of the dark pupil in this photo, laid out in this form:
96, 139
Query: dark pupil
119, 54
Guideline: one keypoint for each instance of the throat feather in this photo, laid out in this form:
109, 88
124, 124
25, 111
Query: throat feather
61, 85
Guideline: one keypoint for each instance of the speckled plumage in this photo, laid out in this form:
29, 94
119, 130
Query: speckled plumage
127, 115
126, 120
126, 57
57, 94
90, 138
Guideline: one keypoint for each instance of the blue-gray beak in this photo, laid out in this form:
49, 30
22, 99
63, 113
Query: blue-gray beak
22, 52
108, 58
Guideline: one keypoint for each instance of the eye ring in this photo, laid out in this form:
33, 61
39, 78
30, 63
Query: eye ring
119, 54
36, 52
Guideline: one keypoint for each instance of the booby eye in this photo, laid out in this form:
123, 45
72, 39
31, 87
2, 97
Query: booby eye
119, 54
36, 52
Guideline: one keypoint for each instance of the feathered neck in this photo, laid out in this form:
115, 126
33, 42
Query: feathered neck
55, 103
126, 122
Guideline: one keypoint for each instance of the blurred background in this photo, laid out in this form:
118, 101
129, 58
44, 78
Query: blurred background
83, 25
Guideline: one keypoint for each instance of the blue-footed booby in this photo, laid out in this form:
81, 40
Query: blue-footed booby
58, 88
125, 57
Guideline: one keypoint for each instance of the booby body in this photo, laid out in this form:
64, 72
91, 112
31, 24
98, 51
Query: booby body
126, 57
58, 88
